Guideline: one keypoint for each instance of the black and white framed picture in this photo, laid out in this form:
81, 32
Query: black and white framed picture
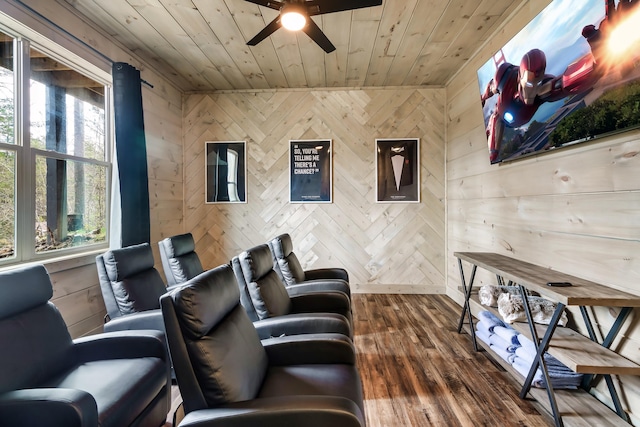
398, 170
225, 172
310, 171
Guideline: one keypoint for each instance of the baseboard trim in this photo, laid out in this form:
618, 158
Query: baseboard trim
397, 289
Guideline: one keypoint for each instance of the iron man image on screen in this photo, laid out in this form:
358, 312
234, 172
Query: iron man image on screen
520, 90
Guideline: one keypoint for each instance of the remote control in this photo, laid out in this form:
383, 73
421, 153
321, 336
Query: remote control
558, 284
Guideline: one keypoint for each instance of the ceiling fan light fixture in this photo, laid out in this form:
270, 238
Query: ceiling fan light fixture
293, 17
301, 11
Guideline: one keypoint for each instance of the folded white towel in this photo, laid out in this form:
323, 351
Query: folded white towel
484, 335
497, 341
485, 327
524, 354
501, 352
490, 319
528, 345
507, 333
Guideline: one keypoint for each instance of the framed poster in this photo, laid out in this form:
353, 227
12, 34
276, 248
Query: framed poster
398, 170
310, 171
225, 172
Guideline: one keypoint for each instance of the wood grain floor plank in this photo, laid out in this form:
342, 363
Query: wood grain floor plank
417, 371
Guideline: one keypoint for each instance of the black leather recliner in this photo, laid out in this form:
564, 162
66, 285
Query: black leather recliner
112, 379
131, 288
299, 281
179, 258
269, 298
228, 377
181, 263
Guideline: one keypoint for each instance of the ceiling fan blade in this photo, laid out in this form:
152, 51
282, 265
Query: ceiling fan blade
316, 34
319, 7
266, 32
272, 4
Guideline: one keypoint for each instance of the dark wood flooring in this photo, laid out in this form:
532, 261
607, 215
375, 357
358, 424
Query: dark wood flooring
418, 371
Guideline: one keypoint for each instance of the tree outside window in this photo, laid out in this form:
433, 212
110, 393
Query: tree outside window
64, 151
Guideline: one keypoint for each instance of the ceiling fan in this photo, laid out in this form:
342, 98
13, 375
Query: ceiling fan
296, 15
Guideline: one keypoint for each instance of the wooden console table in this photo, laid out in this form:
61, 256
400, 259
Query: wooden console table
581, 354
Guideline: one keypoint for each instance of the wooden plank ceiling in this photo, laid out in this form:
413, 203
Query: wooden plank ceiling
201, 44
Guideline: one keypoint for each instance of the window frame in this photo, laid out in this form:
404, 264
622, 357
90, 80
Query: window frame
25, 192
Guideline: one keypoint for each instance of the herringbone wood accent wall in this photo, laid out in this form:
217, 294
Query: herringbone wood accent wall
385, 247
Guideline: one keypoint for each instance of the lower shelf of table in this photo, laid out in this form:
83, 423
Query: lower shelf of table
577, 407
576, 351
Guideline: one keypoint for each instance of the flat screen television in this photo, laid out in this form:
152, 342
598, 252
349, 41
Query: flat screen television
571, 75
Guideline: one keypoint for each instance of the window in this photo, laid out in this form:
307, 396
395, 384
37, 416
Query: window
54, 152
7, 157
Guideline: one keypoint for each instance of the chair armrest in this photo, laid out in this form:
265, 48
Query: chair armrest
319, 285
48, 407
121, 345
150, 319
310, 349
307, 323
327, 273
327, 302
307, 411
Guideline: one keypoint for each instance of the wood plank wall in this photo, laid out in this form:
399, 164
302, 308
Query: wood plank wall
75, 281
576, 210
385, 247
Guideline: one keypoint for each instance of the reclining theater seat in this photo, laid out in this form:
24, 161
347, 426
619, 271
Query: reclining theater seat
179, 258
269, 295
112, 379
227, 376
294, 323
182, 263
297, 280
131, 288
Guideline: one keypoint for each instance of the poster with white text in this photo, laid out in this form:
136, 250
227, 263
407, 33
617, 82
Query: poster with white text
310, 171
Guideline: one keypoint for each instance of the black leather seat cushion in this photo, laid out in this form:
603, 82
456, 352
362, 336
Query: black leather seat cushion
105, 380
314, 380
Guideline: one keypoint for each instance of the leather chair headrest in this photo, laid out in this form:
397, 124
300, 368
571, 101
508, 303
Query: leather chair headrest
205, 300
245, 295
256, 262
281, 246
179, 245
24, 288
126, 262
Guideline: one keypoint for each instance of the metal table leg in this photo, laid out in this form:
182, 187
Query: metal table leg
466, 309
501, 281
541, 348
587, 380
